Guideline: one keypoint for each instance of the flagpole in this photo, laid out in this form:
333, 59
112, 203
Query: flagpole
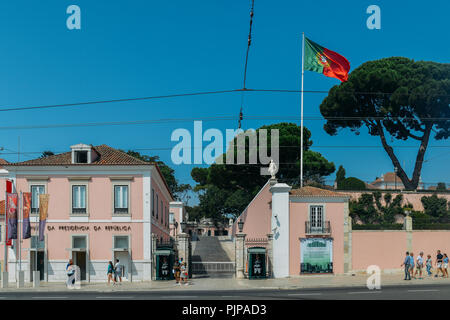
301, 112
19, 233
5, 256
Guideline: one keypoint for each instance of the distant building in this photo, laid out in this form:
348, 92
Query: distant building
390, 181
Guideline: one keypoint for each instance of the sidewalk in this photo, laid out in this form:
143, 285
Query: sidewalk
312, 281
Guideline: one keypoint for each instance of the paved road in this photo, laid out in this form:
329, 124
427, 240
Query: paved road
432, 292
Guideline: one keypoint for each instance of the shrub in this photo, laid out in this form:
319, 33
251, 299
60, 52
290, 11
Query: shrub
351, 183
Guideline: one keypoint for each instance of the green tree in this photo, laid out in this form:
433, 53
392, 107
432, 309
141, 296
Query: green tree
435, 206
340, 174
369, 209
441, 186
47, 153
179, 191
397, 96
351, 183
228, 188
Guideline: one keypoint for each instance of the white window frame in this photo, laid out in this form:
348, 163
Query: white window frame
86, 236
35, 183
311, 221
74, 183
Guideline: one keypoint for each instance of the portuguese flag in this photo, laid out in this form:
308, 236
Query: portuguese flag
322, 60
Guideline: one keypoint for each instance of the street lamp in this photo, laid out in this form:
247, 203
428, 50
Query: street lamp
183, 226
240, 225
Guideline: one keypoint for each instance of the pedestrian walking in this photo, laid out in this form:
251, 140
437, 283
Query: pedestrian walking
445, 265
429, 265
411, 264
118, 271
406, 264
184, 274
419, 265
176, 273
110, 273
439, 258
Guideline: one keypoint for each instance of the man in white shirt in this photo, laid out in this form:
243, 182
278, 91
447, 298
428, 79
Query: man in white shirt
419, 265
118, 269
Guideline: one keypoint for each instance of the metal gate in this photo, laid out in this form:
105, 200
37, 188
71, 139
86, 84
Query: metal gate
207, 267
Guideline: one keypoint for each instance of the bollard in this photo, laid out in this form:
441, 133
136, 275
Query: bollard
36, 279
21, 282
5, 279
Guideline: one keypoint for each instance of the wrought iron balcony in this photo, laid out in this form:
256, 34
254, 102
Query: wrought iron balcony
323, 228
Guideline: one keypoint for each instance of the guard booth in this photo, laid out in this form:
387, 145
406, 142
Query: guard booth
256, 263
164, 263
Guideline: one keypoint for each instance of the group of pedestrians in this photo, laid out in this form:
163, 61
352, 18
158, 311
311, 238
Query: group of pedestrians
180, 272
414, 267
114, 272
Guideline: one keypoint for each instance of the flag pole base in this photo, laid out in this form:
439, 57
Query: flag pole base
5, 279
36, 279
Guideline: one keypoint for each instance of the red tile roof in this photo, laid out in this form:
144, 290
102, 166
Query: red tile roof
107, 156
314, 192
388, 177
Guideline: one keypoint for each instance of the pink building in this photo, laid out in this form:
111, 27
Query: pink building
104, 205
312, 233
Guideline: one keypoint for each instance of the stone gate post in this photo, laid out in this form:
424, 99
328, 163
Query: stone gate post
153, 260
240, 255
183, 248
269, 254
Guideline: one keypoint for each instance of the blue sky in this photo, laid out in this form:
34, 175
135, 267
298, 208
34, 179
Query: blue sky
144, 48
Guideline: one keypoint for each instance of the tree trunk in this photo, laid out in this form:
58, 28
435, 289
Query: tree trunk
410, 184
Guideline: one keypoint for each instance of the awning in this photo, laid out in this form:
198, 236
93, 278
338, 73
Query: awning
257, 250
162, 252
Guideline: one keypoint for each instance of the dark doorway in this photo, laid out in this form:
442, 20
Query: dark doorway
39, 262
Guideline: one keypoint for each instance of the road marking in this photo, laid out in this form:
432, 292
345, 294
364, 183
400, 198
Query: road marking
422, 290
304, 294
115, 297
358, 292
49, 297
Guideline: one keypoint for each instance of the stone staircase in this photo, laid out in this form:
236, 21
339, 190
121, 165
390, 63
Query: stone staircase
213, 256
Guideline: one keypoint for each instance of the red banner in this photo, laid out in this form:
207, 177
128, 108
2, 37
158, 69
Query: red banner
11, 213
